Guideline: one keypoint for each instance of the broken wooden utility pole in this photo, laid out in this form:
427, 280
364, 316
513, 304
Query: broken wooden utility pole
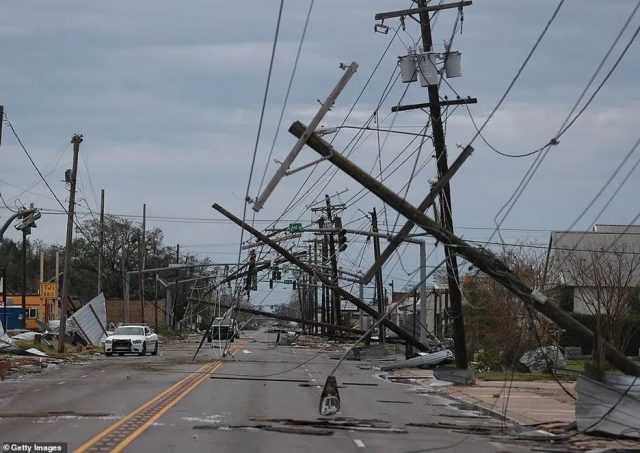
66, 273
482, 259
324, 108
426, 203
401, 332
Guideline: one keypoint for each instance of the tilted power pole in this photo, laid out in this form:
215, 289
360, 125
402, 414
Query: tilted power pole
480, 258
404, 334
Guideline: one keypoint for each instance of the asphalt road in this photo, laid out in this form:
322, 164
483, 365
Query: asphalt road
169, 403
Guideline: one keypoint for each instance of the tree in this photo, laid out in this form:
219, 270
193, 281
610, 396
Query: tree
606, 285
120, 255
497, 324
11, 260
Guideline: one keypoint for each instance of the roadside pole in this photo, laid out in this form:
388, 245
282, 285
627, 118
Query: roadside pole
4, 296
446, 209
66, 282
337, 315
141, 260
379, 286
101, 246
24, 279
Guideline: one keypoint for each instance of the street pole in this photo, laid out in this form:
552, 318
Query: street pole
4, 297
175, 299
101, 246
315, 286
459, 345
379, 286
423, 292
361, 296
325, 317
66, 282
155, 298
125, 275
24, 279
141, 253
56, 305
337, 315
41, 266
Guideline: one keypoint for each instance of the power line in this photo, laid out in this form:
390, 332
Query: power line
286, 97
513, 199
255, 148
520, 70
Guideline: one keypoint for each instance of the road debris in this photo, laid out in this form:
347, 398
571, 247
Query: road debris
265, 427
343, 423
432, 359
541, 359
49, 414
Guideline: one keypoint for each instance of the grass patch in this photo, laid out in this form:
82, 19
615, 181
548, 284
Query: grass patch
520, 376
50, 350
575, 365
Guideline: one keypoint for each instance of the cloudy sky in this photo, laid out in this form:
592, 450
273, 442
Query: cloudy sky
168, 93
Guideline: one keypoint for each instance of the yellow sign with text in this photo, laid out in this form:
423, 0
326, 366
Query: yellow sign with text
48, 290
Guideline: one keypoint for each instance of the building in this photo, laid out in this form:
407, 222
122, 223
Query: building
596, 271
37, 309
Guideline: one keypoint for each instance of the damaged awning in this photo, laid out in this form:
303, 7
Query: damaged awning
90, 320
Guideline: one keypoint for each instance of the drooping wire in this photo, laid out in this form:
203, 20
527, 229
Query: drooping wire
513, 199
286, 97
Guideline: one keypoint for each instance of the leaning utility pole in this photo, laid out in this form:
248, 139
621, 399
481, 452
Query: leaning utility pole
379, 285
400, 331
481, 258
101, 247
66, 282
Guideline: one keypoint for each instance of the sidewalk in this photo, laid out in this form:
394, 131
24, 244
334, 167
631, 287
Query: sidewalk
528, 402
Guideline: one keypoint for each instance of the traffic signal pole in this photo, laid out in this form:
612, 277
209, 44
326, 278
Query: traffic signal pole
404, 334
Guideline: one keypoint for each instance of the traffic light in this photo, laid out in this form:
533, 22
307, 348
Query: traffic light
342, 235
251, 283
28, 221
342, 240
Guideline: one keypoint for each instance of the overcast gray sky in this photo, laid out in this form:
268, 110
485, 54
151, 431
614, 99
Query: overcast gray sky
167, 95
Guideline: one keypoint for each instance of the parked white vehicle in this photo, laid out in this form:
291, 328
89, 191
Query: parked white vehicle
131, 338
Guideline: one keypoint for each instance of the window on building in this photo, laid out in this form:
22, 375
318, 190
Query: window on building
32, 313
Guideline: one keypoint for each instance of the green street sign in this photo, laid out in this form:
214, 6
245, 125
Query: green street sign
287, 282
295, 228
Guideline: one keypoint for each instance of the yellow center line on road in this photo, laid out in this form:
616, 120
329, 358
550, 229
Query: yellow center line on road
126, 430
